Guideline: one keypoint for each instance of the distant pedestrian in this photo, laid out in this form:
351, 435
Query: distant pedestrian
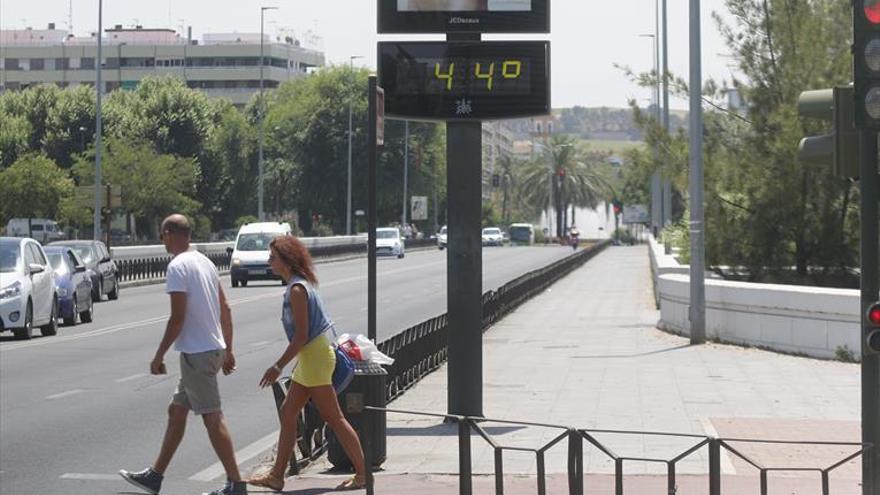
200, 328
307, 327
575, 234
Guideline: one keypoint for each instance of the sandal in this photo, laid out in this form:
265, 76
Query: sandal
268, 480
352, 483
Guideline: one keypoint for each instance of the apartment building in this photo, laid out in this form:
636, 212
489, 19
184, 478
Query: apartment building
497, 142
220, 65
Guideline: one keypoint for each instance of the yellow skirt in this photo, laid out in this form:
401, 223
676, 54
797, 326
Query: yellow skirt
316, 363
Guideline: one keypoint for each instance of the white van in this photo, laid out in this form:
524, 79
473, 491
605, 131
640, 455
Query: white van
40, 229
250, 256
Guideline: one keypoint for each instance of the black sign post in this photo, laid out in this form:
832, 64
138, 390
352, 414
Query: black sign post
464, 262
374, 96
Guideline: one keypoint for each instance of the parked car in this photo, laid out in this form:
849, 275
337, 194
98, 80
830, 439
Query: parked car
40, 229
105, 274
441, 239
250, 256
73, 284
389, 242
27, 289
492, 237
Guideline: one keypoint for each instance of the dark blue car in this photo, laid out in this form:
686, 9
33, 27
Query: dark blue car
73, 284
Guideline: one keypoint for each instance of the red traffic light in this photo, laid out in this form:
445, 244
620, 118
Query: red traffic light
874, 314
872, 11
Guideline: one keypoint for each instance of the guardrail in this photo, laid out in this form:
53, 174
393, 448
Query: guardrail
576, 437
422, 348
148, 263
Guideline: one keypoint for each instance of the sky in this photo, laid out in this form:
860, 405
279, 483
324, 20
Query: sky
588, 37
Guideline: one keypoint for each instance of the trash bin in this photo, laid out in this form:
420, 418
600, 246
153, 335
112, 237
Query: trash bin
367, 388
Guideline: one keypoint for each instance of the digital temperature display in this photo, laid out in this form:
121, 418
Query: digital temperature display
465, 80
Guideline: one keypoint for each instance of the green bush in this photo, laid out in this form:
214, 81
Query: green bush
539, 237
245, 219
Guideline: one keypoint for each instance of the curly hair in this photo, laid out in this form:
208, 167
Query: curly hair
295, 255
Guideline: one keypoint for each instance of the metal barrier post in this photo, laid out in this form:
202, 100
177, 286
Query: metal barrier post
465, 481
499, 471
670, 479
764, 486
542, 482
575, 463
618, 476
826, 485
714, 466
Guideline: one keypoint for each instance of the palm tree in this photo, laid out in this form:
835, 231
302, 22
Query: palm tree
560, 175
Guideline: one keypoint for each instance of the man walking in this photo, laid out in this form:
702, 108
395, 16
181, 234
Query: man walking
200, 327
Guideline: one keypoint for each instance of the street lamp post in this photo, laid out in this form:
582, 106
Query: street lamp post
657, 214
98, 91
262, 110
348, 195
405, 172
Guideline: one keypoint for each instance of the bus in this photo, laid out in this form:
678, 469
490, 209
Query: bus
522, 233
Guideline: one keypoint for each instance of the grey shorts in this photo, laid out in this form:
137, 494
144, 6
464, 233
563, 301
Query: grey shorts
197, 389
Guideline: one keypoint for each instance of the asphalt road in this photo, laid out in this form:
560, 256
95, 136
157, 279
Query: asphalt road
77, 407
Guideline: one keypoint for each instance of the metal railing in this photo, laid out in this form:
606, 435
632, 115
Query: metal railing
155, 267
576, 439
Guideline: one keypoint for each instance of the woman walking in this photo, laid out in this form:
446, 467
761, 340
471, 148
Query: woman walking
307, 326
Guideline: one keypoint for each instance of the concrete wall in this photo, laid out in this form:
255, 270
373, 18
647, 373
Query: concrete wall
811, 321
132, 252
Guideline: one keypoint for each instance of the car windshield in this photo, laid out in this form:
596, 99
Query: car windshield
57, 261
443, 230
10, 257
86, 253
386, 234
254, 242
491, 231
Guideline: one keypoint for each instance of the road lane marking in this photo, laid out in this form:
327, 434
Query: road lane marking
66, 394
130, 378
216, 470
90, 476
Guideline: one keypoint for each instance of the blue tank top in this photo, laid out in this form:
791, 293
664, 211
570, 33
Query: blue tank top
319, 322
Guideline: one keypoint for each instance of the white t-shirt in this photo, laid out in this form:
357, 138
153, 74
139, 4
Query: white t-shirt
193, 273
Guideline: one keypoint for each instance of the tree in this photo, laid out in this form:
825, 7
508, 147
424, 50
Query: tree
35, 104
560, 169
152, 184
35, 187
15, 132
70, 126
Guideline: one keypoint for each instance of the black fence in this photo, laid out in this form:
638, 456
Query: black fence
420, 349
154, 267
577, 439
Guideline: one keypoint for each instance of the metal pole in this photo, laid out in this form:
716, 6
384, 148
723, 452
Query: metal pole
464, 262
262, 110
348, 195
667, 184
697, 282
869, 239
98, 90
371, 210
405, 171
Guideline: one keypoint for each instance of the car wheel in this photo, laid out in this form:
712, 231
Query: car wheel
440, 248
28, 331
51, 328
72, 320
235, 283
400, 256
114, 294
97, 291
243, 283
86, 316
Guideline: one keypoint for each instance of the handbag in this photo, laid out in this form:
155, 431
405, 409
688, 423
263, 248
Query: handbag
343, 373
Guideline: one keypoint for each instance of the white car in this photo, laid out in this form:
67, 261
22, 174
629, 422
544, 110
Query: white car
28, 296
441, 239
250, 256
389, 242
492, 236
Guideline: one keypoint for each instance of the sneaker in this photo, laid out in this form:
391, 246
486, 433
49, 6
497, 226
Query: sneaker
147, 480
231, 488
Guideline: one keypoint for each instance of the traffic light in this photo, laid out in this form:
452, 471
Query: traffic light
618, 206
872, 331
841, 147
496, 180
866, 63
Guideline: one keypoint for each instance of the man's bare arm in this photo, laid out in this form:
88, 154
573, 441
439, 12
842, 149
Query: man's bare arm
172, 331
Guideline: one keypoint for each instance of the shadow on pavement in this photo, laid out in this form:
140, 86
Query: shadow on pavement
639, 354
